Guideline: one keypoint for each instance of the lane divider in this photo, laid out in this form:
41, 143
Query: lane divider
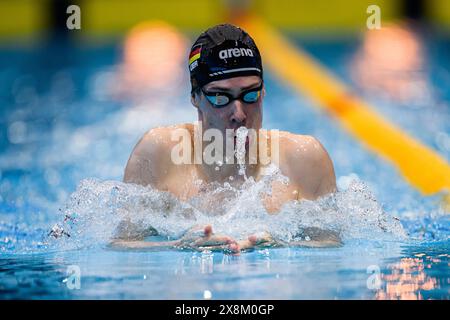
421, 166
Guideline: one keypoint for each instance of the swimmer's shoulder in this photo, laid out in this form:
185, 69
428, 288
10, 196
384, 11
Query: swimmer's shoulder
305, 146
294, 147
305, 159
150, 157
290, 143
161, 138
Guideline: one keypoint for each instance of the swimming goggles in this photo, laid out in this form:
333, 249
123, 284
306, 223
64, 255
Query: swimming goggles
222, 99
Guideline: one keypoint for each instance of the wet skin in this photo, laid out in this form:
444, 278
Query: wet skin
302, 159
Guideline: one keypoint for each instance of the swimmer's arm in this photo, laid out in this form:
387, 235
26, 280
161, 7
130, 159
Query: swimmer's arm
129, 235
141, 245
149, 163
308, 166
327, 177
197, 238
127, 230
317, 238
316, 244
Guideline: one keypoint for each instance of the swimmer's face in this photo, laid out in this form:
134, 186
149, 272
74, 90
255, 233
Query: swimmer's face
237, 113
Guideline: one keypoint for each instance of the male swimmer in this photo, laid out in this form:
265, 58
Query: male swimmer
228, 92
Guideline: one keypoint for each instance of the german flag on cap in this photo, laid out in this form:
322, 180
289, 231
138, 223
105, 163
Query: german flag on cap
195, 54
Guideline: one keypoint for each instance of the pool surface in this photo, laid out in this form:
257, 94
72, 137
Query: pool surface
66, 134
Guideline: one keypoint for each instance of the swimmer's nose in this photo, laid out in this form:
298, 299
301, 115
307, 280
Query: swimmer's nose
238, 117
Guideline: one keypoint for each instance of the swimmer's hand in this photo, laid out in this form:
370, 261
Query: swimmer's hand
202, 238
259, 241
198, 238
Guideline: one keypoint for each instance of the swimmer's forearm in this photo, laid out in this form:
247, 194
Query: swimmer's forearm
316, 244
318, 239
246, 245
142, 245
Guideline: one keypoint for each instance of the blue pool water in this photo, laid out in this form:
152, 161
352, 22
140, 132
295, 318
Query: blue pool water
65, 137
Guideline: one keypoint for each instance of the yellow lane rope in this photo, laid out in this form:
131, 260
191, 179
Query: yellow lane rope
422, 167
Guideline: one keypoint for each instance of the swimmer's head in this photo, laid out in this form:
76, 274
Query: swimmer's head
222, 52
227, 78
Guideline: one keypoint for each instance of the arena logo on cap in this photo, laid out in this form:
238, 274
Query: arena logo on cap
235, 52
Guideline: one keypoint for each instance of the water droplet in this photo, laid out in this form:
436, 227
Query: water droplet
17, 132
241, 136
207, 294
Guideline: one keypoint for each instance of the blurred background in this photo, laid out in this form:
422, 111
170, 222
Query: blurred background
73, 103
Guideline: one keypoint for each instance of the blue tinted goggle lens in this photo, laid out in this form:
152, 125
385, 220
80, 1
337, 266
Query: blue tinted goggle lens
218, 99
252, 96
221, 99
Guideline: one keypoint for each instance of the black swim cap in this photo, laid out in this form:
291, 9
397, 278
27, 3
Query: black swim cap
223, 52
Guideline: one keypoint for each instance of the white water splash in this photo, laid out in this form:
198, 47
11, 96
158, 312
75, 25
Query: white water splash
95, 212
241, 137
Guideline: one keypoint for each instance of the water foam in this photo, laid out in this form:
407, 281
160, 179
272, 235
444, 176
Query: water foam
97, 210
